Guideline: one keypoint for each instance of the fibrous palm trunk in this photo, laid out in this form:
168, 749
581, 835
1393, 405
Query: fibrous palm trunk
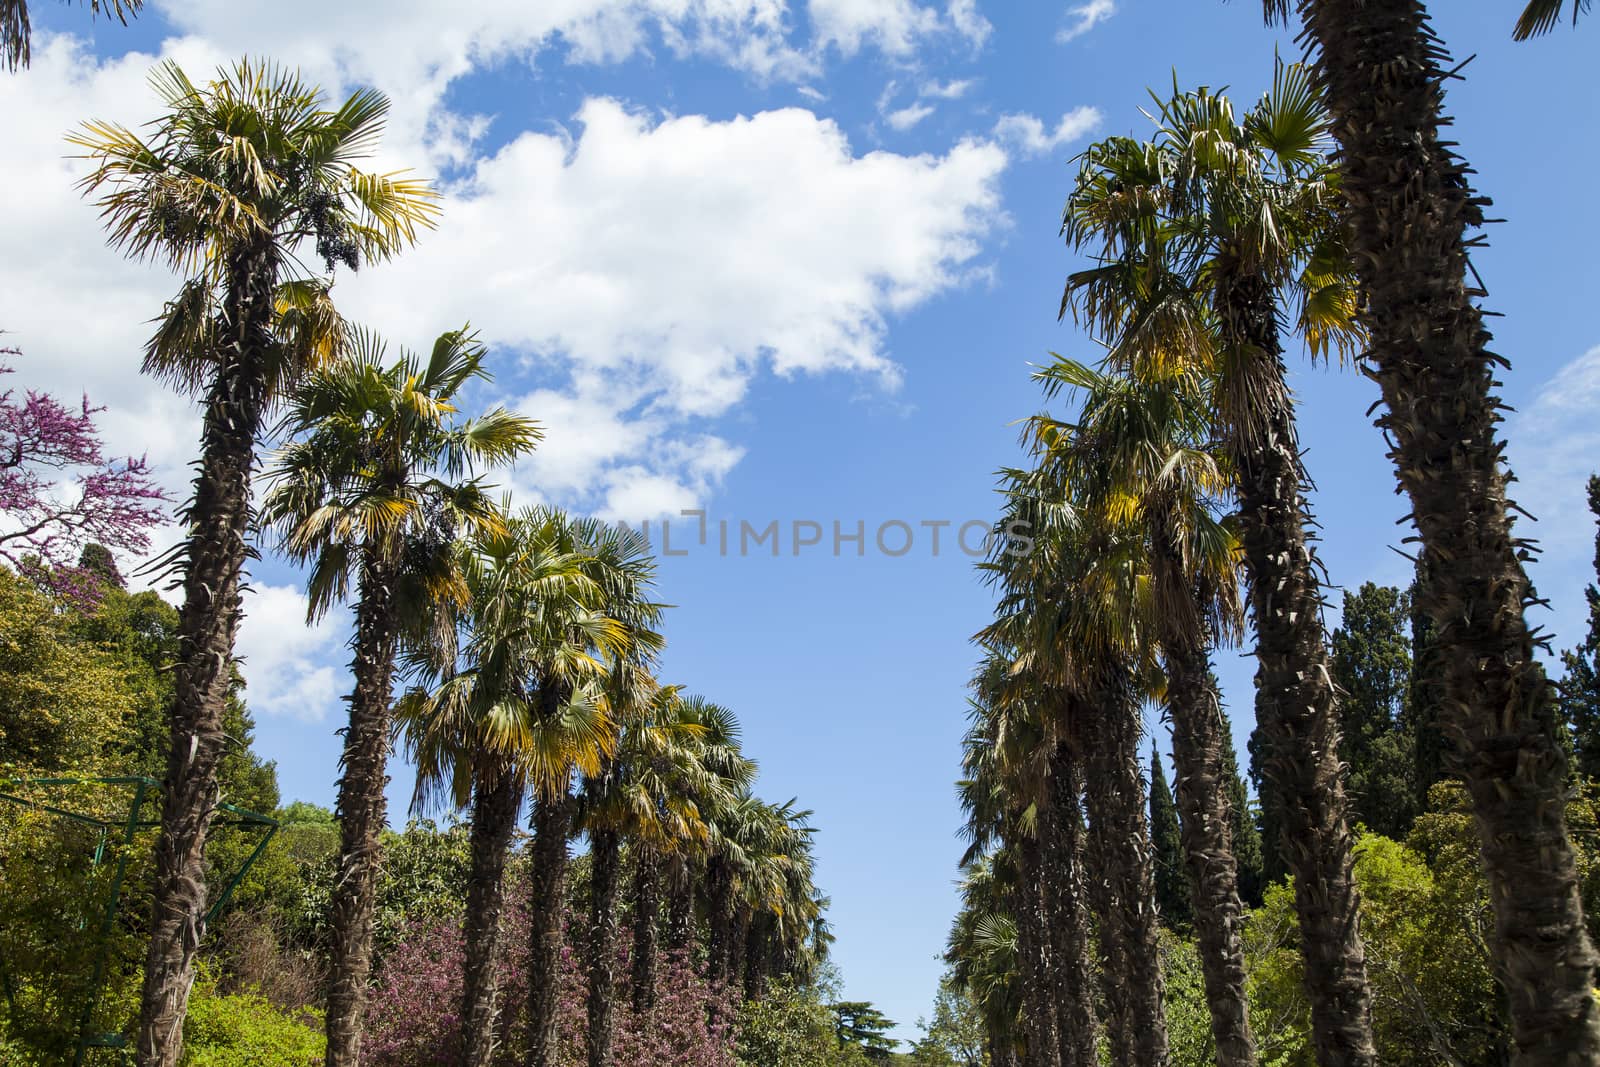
218, 521
1071, 939
721, 918
1297, 709
758, 950
495, 801
1204, 817
680, 906
1040, 1025
606, 859
552, 826
1410, 204
1122, 884
646, 907
361, 811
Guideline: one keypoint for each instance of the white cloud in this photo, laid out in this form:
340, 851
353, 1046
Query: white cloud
1028, 135
897, 27
291, 669
950, 90
964, 16
907, 117
1553, 443
1084, 18
644, 268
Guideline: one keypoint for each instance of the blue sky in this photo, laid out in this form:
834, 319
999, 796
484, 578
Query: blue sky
788, 260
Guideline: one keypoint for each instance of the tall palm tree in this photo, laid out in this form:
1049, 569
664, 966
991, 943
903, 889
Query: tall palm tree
1072, 615
1382, 70
1206, 238
1003, 762
511, 702
376, 482
236, 175
642, 794
619, 563
720, 773
16, 33
982, 953
1137, 453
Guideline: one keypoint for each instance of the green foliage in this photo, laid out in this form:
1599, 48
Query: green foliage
1172, 881
857, 1023
1580, 682
53, 903
956, 1035
1371, 662
424, 870
1246, 835
1188, 1019
63, 707
792, 1027
244, 1030
1425, 915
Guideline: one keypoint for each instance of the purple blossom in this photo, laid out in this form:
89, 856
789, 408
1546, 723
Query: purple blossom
59, 491
414, 1014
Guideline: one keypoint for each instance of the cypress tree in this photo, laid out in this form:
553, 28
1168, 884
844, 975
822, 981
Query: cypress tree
1247, 848
1371, 664
1580, 683
1172, 884
1422, 700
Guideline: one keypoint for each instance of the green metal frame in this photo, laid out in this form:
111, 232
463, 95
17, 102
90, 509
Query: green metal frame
142, 787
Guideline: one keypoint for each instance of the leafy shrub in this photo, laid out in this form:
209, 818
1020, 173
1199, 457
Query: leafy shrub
245, 1030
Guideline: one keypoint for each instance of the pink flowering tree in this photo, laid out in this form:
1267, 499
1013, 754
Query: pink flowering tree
413, 1014
59, 491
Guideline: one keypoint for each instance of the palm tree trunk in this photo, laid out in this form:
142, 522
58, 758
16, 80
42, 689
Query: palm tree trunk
646, 907
361, 811
605, 854
680, 906
218, 520
719, 948
495, 803
1122, 887
1204, 818
1297, 710
1410, 204
1039, 1023
757, 954
1071, 941
552, 826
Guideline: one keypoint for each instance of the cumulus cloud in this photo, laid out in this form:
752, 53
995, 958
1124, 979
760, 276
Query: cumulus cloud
897, 27
1028, 135
635, 268
1085, 17
290, 668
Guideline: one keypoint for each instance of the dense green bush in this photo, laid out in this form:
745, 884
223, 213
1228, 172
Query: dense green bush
245, 1030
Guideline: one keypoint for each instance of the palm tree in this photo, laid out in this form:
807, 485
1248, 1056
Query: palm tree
618, 562
642, 794
1003, 763
982, 953
1071, 616
720, 773
1206, 238
373, 488
16, 36
1410, 202
1137, 454
237, 175
512, 702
